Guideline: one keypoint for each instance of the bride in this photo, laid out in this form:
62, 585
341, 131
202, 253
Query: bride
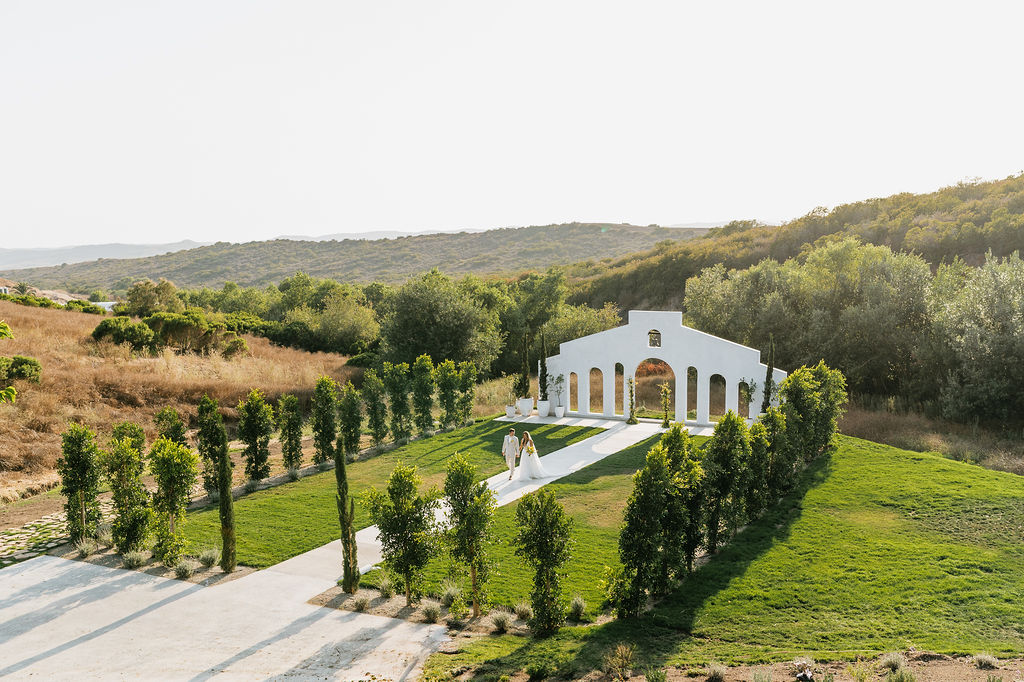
529, 464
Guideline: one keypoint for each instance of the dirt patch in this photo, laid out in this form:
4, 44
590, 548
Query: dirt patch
111, 559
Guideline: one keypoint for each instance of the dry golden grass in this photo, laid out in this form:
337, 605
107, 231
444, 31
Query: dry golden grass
912, 431
101, 384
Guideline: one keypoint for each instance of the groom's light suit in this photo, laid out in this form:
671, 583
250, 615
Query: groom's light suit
510, 449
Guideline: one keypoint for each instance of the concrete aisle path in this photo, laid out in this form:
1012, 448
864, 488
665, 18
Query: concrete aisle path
323, 564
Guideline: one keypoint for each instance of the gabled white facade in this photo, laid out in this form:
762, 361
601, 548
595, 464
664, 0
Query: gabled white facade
679, 346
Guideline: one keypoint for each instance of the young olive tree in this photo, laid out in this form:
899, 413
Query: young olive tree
79, 469
447, 378
376, 408
350, 419
423, 386
255, 426
325, 426
170, 426
467, 391
124, 468
289, 423
396, 383
544, 539
176, 469
405, 523
471, 507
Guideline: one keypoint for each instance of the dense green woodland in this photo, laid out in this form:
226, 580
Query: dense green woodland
356, 260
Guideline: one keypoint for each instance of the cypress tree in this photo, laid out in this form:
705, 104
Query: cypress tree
217, 441
769, 380
346, 514
542, 374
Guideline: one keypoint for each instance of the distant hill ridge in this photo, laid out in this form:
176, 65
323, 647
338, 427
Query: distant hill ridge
42, 257
505, 250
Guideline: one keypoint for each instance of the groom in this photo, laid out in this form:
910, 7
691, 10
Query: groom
510, 449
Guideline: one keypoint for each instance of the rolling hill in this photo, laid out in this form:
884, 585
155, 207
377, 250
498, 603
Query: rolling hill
358, 260
32, 258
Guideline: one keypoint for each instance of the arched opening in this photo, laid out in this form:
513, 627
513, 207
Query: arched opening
691, 393
596, 390
620, 371
744, 400
716, 394
654, 338
574, 392
650, 375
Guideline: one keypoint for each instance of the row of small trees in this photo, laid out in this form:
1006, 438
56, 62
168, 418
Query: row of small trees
410, 535
686, 496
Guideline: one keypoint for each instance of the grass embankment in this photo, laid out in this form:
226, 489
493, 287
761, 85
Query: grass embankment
282, 522
594, 497
878, 549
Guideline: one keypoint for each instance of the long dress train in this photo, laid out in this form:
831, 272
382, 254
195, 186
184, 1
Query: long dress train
529, 464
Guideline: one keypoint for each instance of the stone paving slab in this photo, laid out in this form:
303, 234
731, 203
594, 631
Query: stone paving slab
62, 619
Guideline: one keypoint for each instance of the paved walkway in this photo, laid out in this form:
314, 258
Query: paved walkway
63, 619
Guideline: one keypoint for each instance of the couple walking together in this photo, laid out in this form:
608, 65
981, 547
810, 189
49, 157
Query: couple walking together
529, 461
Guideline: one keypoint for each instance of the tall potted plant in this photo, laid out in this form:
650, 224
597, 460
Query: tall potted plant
523, 384
559, 389
543, 403
510, 398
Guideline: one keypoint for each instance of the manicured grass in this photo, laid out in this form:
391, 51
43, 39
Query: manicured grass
878, 549
594, 497
281, 522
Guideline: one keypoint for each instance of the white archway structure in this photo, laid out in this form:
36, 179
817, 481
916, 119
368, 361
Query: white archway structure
661, 335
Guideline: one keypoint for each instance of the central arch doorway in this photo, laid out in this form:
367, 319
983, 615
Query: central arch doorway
649, 376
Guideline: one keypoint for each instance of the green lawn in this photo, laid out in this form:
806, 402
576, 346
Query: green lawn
878, 549
287, 520
594, 497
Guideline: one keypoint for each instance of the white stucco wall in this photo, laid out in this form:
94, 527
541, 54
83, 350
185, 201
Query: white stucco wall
681, 348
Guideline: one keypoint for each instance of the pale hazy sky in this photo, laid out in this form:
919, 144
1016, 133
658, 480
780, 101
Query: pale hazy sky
152, 121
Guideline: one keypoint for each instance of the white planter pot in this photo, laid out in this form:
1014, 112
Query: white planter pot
559, 411
543, 408
525, 406
510, 411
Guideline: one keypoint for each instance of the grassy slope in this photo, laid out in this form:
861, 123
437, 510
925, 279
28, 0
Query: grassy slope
385, 260
594, 497
887, 549
282, 522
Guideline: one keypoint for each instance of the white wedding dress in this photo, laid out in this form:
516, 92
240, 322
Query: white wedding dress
530, 466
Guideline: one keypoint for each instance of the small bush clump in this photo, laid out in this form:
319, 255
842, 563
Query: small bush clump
524, 611
386, 586
184, 569
431, 613
293, 474
360, 604
538, 670
901, 675
86, 547
577, 608
251, 486
457, 612
985, 662
450, 592
761, 676
501, 620
717, 672
655, 675
209, 557
619, 661
861, 671
892, 661
104, 535
133, 560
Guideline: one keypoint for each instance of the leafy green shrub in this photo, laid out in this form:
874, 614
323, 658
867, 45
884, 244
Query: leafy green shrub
124, 468
985, 661
544, 539
21, 367
538, 670
176, 469
577, 608
210, 556
655, 675
861, 671
134, 559
84, 307
449, 593
255, 426
431, 613
365, 360
892, 661
325, 425
289, 423
86, 547
184, 569
423, 386
457, 612
717, 672
524, 611
501, 620
360, 604
619, 661
79, 469
121, 329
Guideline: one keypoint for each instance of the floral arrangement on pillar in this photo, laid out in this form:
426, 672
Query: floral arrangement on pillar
631, 419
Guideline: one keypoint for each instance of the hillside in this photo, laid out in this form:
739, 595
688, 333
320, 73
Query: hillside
100, 385
966, 221
31, 258
359, 260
